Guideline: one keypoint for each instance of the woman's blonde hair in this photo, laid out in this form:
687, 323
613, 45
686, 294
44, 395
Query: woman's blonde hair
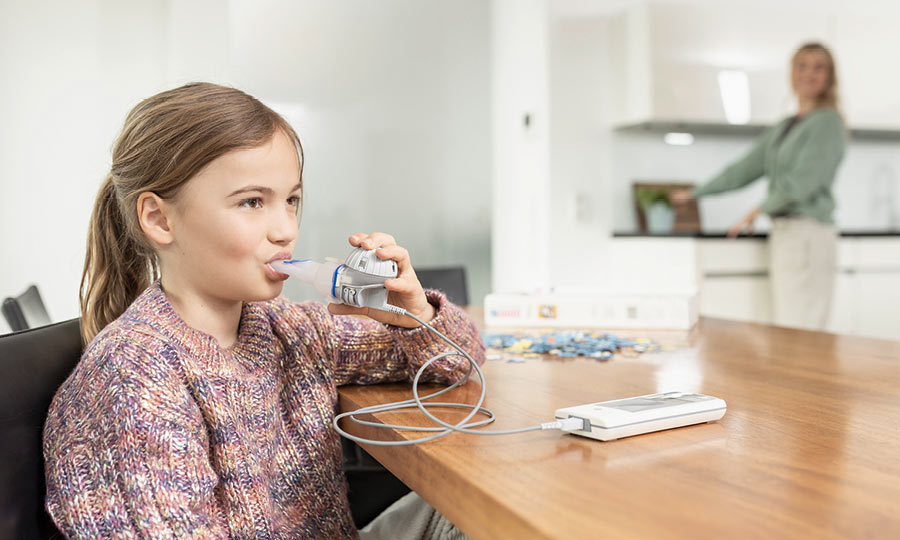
166, 140
829, 96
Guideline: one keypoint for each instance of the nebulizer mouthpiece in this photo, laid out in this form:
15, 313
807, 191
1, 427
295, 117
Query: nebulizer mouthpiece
359, 281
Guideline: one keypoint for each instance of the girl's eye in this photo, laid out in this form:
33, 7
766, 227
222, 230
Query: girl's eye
255, 202
294, 200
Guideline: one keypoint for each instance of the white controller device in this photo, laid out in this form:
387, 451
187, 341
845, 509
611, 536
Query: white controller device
610, 420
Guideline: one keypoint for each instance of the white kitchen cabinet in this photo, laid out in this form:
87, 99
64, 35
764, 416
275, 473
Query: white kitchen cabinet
845, 304
866, 37
866, 298
878, 312
735, 281
741, 298
876, 271
723, 256
732, 280
667, 58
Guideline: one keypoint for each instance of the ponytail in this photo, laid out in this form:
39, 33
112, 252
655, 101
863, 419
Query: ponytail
117, 266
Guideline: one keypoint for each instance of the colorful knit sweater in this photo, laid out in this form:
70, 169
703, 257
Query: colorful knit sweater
160, 433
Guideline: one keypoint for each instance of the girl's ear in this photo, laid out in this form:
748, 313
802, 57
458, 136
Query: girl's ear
153, 215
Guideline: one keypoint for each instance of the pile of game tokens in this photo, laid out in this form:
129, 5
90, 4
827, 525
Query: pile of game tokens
569, 343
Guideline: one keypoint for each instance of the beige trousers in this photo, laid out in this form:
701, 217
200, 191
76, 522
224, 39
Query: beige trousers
410, 518
802, 266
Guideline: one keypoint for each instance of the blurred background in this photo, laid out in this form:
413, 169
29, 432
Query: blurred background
391, 100
502, 135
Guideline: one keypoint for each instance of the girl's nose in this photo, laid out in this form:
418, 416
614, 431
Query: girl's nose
283, 228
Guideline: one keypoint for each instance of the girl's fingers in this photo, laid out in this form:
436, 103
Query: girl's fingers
395, 253
372, 241
402, 285
405, 290
355, 239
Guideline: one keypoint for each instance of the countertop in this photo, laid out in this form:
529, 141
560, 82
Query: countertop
875, 233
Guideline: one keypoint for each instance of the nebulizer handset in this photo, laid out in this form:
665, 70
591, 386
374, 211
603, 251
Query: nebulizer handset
359, 281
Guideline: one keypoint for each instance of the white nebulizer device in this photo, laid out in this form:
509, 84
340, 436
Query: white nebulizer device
358, 281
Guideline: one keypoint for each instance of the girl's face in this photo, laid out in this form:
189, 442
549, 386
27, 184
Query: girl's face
810, 74
232, 219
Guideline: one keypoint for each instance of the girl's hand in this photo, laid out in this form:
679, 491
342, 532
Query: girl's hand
745, 224
404, 291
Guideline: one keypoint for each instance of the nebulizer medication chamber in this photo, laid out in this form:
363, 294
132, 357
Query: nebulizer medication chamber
358, 281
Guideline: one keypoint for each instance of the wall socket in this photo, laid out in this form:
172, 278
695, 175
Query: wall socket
584, 211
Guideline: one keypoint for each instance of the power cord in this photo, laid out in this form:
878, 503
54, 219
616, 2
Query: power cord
568, 424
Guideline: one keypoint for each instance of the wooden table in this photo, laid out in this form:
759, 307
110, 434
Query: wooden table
809, 447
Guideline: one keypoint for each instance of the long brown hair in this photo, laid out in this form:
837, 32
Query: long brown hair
166, 140
829, 96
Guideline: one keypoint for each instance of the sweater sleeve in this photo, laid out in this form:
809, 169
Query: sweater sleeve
364, 351
129, 459
812, 168
743, 171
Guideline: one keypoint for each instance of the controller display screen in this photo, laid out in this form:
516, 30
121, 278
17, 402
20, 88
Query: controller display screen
645, 403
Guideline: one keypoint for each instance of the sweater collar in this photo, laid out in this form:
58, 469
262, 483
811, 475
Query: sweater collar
254, 332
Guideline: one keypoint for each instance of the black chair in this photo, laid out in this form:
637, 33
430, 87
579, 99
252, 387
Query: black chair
33, 364
449, 280
26, 310
370, 487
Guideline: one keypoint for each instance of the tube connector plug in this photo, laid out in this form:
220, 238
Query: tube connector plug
572, 423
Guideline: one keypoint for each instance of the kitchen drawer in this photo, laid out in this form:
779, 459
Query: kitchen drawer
734, 256
877, 253
738, 298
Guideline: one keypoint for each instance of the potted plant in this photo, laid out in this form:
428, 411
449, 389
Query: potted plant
657, 209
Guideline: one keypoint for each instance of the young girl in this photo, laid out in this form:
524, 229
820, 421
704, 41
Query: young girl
203, 404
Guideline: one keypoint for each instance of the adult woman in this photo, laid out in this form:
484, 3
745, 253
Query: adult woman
800, 156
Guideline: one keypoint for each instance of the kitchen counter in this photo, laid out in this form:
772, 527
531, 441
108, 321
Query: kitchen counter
863, 233
731, 275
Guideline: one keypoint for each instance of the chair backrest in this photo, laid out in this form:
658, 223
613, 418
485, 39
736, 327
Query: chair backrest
33, 364
26, 310
449, 280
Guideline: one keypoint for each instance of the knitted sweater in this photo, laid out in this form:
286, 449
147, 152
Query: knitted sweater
160, 433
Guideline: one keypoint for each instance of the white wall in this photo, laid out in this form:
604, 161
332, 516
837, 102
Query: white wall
580, 161
521, 131
70, 72
391, 100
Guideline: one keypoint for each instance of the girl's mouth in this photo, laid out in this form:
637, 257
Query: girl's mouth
272, 274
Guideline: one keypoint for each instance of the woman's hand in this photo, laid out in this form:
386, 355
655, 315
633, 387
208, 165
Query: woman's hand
404, 291
745, 224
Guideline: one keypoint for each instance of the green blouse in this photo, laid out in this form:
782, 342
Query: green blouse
801, 166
